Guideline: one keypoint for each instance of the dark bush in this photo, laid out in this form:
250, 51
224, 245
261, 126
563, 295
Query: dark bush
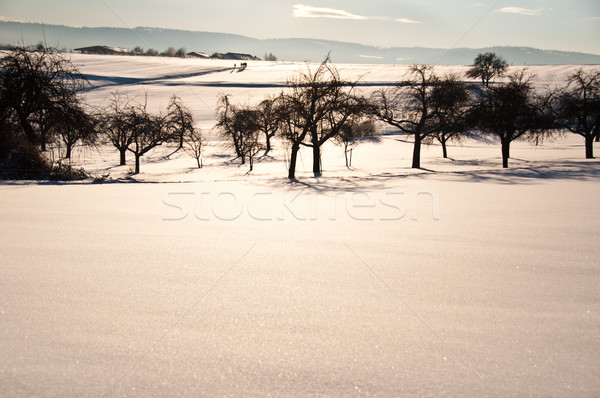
24, 161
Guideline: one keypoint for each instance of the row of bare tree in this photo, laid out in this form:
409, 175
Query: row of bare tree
430, 107
319, 106
130, 127
41, 102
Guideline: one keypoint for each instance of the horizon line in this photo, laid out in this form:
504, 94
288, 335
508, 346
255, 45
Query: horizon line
298, 38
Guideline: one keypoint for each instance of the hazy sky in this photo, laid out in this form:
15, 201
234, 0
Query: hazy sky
572, 25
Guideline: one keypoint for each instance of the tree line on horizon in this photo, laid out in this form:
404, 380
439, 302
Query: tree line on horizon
41, 102
137, 50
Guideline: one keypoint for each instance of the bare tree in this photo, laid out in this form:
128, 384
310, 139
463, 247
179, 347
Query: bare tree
315, 109
239, 126
179, 119
251, 143
44, 122
195, 145
36, 87
148, 131
75, 125
39, 93
351, 133
169, 52
512, 111
293, 128
130, 127
115, 125
227, 125
451, 100
270, 57
578, 107
410, 107
267, 114
486, 66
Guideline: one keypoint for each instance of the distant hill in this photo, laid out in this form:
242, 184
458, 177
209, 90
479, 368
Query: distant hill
285, 49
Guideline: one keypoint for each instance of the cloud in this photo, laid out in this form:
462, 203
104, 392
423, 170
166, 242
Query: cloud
520, 11
406, 20
302, 11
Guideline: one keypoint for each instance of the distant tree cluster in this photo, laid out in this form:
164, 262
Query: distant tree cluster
270, 57
169, 52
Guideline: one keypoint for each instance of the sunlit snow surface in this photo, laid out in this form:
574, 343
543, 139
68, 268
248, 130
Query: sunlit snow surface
460, 279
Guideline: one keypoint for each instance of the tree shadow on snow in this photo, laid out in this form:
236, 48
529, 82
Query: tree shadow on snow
530, 172
520, 172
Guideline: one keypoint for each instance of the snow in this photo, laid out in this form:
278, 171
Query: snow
460, 279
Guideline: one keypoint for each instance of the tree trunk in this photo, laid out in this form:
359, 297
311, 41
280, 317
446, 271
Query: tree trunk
416, 161
27, 128
589, 147
43, 139
505, 153
122, 152
137, 164
268, 143
68, 154
346, 155
198, 161
444, 149
181, 140
237, 145
293, 157
316, 161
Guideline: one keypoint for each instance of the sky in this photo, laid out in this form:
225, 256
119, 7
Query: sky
572, 25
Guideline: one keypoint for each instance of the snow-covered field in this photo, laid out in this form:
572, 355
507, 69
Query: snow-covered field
460, 279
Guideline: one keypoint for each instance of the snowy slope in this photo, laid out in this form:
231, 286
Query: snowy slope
461, 279
198, 81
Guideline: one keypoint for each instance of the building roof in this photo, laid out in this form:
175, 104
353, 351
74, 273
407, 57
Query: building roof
235, 56
198, 54
104, 50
